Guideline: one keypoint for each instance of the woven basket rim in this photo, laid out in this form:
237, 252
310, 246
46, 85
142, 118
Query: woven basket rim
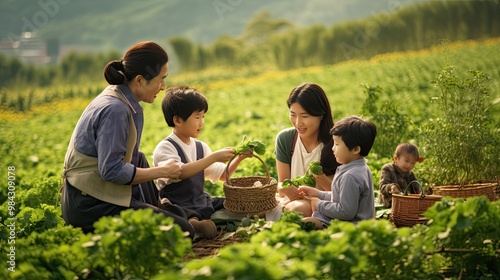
417, 196
468, 186
228, 178
271, 181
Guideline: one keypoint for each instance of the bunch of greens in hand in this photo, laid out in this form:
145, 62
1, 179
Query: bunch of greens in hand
247, 146
307, 179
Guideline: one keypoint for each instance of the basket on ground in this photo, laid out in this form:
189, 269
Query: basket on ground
407, 209
487, 189
250, 194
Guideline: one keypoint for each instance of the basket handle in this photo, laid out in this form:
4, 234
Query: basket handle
228, 179
422, 195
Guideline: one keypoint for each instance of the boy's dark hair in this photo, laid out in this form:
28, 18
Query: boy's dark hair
182, 101
407, 148
355, 131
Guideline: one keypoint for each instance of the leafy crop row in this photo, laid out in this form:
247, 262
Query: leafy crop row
460, 240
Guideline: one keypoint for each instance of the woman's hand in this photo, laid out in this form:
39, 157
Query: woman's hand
170, 169
323, 182
291, 192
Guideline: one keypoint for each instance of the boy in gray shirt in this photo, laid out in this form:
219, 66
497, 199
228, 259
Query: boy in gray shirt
352, 195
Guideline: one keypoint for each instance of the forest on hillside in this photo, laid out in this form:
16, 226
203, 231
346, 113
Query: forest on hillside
411, 28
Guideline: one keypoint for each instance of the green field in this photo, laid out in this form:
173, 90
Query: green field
253, 102
249, 102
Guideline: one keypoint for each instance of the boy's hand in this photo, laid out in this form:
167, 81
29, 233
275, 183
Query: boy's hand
308, 191
247, 154
395, 189
223, 155
314, 201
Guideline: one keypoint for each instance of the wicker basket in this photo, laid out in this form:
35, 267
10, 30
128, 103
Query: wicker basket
487, 189
243, 196
407, 209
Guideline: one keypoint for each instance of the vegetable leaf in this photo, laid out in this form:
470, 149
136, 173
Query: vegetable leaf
307, 179
246, 145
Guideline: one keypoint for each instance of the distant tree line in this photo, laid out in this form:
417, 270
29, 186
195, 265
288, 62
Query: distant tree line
278, 43
415, 27
73, 68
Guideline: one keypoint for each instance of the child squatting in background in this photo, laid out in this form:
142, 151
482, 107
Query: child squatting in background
395, 176
352, 195
184, 109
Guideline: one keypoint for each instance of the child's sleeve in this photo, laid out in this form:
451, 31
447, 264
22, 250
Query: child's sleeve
325, 195
163, 152
282, 147
386, 180
214, 171
347, 205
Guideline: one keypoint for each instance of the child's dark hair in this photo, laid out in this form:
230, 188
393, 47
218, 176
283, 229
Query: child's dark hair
406, 148
182, 101
355, 131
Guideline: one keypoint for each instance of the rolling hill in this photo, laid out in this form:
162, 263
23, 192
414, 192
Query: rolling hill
105, 25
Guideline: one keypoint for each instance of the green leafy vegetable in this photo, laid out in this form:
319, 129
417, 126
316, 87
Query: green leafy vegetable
315, 167
246, 145
296, 218
307, 179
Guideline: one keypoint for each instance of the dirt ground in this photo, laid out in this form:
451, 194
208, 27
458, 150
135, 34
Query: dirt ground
210, 247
